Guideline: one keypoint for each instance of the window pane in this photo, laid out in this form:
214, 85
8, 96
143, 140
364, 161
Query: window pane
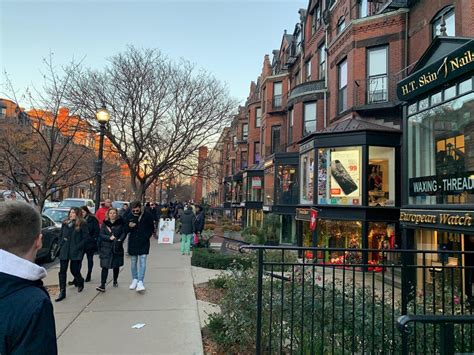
277, 88
343, 74
286, 189
465, 86
378, 61
363, 9
258, 118
307, 177
381, 179
276, 148
269, 186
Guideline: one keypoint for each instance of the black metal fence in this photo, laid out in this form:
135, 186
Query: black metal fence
336, 301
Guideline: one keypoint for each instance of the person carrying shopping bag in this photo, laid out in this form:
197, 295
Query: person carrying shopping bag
112, 233
188, 221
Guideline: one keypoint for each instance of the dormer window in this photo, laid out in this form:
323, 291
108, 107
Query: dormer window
448, 14
341, 24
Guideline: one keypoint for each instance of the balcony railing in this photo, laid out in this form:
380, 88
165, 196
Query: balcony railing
377, 89
276, 102
307, 88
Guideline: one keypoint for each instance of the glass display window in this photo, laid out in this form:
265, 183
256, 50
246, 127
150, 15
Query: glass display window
340, 234
287, 185
228, 191
307, 177
381, 236
269, 186
381, 179
440, 159
254, 218
339, 176
288, 230
255, 188
237, 191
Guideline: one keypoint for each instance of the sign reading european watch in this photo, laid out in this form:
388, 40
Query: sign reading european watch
442, 185
451, 220
455, 64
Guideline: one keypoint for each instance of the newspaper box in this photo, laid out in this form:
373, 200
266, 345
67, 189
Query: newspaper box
166, 231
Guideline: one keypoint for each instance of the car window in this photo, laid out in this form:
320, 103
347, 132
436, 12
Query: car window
71, 203
56, 215
45, 222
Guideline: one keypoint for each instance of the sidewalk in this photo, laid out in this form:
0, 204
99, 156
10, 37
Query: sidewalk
95, 323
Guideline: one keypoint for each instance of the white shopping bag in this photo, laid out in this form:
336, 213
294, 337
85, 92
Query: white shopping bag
166, 231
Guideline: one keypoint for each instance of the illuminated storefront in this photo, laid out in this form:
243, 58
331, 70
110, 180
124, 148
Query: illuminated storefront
438, 196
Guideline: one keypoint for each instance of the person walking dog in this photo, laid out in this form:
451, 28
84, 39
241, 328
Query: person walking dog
112, 233
140, 225
26, 314
74, 233
188, 221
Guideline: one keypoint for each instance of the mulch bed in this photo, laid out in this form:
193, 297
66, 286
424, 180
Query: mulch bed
208, 294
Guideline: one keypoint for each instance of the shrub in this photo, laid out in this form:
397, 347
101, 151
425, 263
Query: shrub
236, 228
218, 282
211, 259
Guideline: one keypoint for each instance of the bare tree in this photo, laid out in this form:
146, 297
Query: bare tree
161, 111
49, 148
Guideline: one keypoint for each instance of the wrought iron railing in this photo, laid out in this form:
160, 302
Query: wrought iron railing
348, 300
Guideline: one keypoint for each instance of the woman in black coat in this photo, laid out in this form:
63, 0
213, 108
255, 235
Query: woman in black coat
74, 233
112, 235
90, 246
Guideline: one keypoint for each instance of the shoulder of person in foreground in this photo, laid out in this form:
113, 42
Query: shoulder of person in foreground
32, 323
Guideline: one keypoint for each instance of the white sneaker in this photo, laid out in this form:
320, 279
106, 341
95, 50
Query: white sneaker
133, 285
140, 286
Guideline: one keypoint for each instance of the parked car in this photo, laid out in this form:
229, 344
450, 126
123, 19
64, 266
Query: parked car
51, 233
78, 202
119, 204
57, 214
48, 204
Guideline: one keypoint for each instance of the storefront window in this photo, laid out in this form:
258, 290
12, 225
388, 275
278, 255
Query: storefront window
339, 176
440, 157
269, 186
228, 191
237, 191
254, 218
287, 189
340, 234
307, 177
255, 188
288, 229
382, 237
381, 180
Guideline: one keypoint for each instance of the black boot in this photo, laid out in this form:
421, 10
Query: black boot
80, 286
62, 287
62, 295
88, 277
73, 282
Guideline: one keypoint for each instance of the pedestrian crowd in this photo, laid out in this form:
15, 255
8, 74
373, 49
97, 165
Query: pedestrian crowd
25, 307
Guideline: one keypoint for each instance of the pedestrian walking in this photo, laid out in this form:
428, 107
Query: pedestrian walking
188, 220
124, 210
27, 321
140, 225
200, 220
102, 211
112, 234
74, 233
91, 244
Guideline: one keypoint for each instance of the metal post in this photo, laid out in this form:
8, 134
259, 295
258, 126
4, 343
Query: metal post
98, 174
446, 339
258, 347
161, 190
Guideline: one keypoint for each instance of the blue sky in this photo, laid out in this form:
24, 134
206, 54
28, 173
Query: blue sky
228, 38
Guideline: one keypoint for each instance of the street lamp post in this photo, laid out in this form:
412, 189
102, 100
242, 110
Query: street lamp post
103, 117
108, 191
161, 188
90, 188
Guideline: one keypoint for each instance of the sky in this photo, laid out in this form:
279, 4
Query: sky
227, 38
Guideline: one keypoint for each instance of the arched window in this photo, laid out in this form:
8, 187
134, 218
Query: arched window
448, 14
341, 24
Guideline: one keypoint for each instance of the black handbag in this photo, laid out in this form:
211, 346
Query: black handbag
117, 247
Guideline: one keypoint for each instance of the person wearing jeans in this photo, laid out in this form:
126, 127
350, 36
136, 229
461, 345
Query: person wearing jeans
188, 221
141, 226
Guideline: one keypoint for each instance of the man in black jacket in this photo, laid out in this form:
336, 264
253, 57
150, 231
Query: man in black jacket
141, 228
27, 320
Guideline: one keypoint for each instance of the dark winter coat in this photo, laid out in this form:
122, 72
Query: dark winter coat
112, 256
94, 230
188, 221
27, 321
139, 237
72, 241
199, 225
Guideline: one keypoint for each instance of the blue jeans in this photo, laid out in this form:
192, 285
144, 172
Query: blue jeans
140, 273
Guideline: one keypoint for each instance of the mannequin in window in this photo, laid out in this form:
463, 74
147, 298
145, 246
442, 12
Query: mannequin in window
375, 180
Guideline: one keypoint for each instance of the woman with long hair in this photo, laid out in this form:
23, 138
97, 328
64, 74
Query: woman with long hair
91, 243
112, 235
74, 233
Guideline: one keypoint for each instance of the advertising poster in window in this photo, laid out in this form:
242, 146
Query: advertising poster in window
256, 183
345, 173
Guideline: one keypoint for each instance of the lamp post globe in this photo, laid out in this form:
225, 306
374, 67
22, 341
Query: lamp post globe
103, 117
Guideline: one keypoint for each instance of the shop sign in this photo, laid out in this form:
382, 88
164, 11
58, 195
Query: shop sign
303, 214
451, 66
456, 220
442, 185
257, 183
